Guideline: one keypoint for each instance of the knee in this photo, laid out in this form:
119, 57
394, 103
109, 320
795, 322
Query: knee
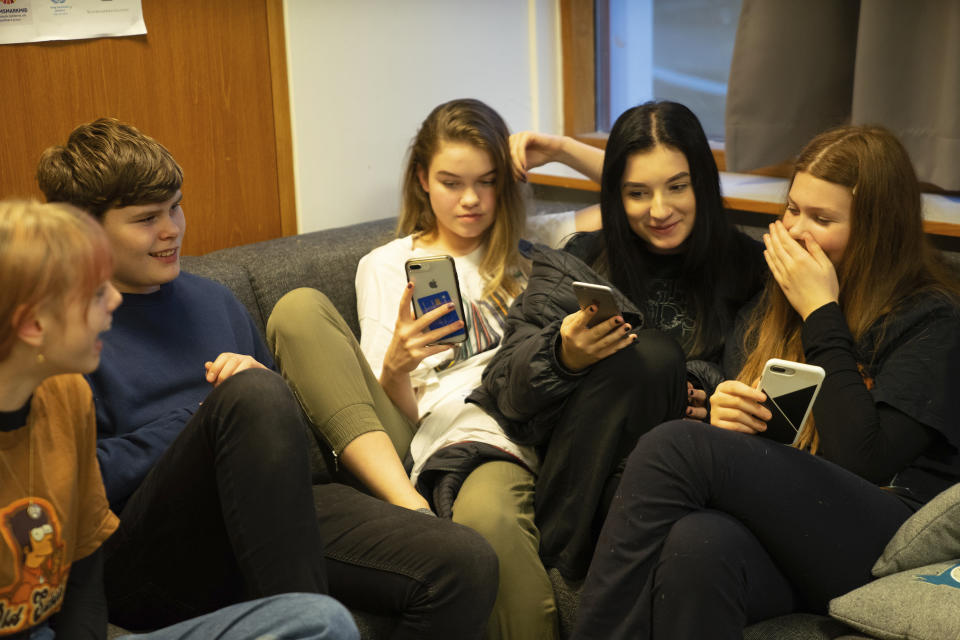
497, 502
660, 355
675, 434
701, 555
655, 357
253, 386
673, 443
264, 408
471, 563
308, 615
499, 523
297, 310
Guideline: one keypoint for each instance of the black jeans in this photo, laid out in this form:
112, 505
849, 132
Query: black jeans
712, 530
620, 398
228, 514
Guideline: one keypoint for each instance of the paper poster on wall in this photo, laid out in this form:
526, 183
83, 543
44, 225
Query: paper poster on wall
40, 20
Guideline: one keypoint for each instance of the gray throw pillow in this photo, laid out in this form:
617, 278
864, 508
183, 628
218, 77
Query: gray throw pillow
930, 535
920, 604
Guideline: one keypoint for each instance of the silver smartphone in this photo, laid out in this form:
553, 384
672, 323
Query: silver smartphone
791, 389
434, 284
600, 295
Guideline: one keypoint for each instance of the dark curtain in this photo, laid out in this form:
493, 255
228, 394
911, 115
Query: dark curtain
800, 67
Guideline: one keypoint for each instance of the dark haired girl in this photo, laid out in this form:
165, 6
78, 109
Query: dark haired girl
713, 528
680, 273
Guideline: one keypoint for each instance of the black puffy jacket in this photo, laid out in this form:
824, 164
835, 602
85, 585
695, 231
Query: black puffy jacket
524, 386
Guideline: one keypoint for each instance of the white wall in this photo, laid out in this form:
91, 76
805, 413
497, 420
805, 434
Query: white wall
365, 73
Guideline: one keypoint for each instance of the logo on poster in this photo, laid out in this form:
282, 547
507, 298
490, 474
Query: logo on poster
58, 1
8, 1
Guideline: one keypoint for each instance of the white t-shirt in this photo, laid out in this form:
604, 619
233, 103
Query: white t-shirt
443, 381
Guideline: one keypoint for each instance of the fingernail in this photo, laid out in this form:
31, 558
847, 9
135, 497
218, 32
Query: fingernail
619, 320
689, 392
592, 309
689, 411
627, 327
449, 305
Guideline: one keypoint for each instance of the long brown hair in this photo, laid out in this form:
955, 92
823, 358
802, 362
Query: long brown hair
887, 258
472, 122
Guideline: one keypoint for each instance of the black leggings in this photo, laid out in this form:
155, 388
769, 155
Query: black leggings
712, 530
228, 514
619, 399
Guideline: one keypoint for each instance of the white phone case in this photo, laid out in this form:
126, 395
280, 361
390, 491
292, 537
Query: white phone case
791, 389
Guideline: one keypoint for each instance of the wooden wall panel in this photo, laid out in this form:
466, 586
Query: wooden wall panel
200, 82
579, 88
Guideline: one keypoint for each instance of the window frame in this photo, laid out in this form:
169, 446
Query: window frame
578, 19
578, 37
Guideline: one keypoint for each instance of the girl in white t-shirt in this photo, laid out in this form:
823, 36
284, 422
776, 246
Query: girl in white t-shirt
400, 393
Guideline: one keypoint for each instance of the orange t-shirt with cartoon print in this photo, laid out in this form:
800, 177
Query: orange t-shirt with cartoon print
65, 518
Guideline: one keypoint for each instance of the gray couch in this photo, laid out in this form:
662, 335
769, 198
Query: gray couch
259, 274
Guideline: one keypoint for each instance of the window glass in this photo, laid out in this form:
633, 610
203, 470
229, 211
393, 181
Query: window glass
666, 50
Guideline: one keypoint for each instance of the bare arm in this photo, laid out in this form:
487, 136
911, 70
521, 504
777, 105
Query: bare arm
412, 341
529, 149
588, 219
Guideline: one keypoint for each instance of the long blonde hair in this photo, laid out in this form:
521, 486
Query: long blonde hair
887, 258
472, 122
50, 254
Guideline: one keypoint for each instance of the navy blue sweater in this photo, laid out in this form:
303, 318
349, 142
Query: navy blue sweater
151, 376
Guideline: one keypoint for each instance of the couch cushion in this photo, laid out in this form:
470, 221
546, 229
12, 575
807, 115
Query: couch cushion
800, 626
261, 273
920, 603
797, 626
324, 260
930, 535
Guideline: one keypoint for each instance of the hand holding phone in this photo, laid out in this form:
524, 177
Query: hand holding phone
791, 389
435, 284
599, 295
586, 340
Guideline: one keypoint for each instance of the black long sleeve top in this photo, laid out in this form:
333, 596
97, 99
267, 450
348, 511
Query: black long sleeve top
886, 410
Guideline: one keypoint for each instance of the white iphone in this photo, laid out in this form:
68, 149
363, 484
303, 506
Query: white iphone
791, 389
597, 294
434, 284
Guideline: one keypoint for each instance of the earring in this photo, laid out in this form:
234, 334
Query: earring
40, 358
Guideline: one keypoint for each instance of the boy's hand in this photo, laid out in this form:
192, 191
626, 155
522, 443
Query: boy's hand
228, 364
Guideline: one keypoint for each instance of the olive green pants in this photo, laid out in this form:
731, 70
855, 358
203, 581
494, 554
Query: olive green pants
321, 359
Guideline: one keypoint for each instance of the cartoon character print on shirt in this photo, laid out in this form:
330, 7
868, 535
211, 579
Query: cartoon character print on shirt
32, 532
